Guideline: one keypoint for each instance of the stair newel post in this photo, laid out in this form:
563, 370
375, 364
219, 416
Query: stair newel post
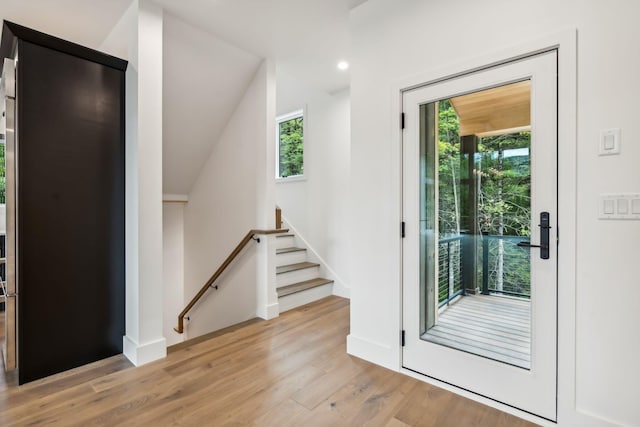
278, 218
267, 298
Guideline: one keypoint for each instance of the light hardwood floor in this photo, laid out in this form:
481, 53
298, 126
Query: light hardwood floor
290, 371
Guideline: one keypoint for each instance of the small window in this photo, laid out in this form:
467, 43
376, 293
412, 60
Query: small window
289, 145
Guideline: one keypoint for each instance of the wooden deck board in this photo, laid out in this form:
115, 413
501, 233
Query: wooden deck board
490, 326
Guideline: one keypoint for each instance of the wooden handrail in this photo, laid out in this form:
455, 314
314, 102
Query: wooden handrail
180, 328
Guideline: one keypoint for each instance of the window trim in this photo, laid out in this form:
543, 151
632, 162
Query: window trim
302, 112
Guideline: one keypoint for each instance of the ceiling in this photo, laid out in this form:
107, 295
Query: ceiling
85, 22
224, 41
306, 38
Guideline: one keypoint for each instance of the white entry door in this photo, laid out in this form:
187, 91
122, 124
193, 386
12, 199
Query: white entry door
480, 247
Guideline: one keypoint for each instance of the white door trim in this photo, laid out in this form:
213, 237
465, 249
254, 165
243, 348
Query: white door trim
566, 43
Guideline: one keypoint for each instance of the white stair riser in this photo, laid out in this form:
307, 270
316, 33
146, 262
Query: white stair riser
285, 242
291, 258
305, 297
296, 276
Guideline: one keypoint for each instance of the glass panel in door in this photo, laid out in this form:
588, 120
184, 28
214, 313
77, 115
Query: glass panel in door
475, 210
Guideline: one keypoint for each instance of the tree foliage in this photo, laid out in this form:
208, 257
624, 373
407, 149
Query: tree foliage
291, 147
502, 171
502, 177
448, 169
505, 185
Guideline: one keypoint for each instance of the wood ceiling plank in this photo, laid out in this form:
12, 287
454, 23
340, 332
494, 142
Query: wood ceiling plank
494, 111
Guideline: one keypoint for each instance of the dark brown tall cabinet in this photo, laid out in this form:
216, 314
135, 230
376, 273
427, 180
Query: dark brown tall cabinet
65, 146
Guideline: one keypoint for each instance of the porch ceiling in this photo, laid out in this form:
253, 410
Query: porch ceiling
496, 111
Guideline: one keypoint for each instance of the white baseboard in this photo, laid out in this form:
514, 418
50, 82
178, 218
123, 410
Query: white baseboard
584, 418
268, 312
341, 291
145, 353
370, 351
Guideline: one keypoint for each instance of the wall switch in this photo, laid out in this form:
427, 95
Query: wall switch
609, 142
609, 207
623, 206
619, 206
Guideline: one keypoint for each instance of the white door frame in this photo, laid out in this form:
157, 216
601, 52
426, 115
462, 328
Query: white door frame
532, 389
565, 42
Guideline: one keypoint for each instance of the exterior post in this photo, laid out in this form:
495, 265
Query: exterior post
469, 204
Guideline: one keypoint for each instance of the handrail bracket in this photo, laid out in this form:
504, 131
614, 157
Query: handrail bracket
249, 236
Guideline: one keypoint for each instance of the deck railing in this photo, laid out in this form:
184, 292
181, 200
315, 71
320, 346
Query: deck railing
449, 269
507, 274
514, 276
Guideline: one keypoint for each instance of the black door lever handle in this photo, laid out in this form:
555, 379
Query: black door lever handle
545, 225
529, 245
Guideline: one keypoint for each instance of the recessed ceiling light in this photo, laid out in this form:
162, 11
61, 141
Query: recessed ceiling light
343, 65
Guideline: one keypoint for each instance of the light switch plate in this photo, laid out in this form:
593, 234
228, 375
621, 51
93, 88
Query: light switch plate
619, 206
609, 142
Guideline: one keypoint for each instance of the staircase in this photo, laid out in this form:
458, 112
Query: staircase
298, 280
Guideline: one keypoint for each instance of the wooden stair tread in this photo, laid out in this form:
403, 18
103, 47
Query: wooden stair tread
289, 250
297, 266
302, 286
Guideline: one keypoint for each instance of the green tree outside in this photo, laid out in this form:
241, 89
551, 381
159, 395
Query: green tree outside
291, 148
502, 171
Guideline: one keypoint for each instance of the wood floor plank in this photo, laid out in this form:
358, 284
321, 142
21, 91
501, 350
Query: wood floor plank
383, 401
289, 371
462, 412
319, 390
346, 400
285, 414
240, 379
265, 398
424, 406
50, 386
394, 422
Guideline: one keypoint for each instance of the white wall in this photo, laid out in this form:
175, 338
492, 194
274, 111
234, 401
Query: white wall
137, 37
392, 43
230, 197
318, 206
204, 79
172, 268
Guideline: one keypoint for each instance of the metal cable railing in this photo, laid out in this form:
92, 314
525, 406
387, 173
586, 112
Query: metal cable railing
449, 269
502, 266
